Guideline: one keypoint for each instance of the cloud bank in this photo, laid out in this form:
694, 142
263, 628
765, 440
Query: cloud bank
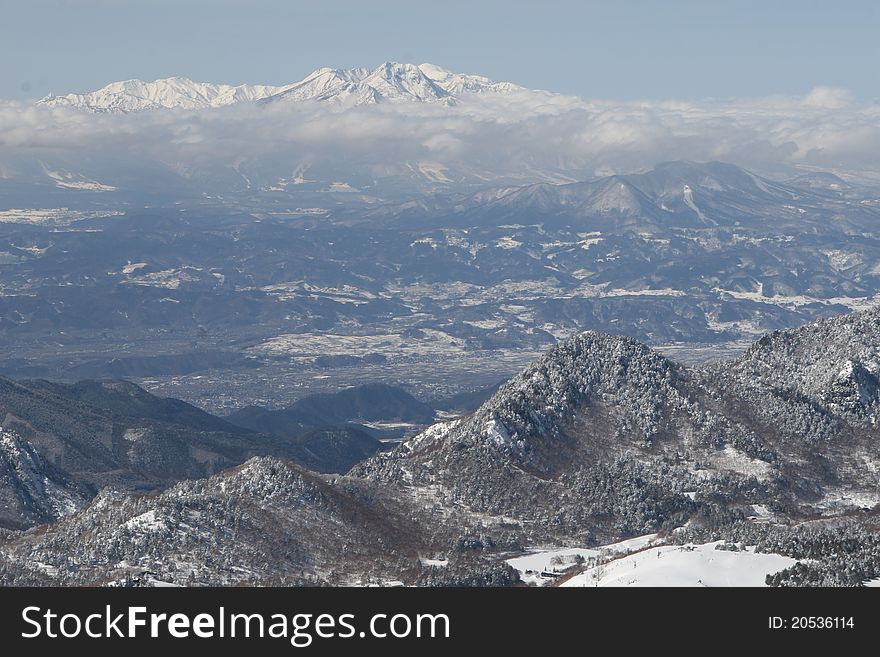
523, 135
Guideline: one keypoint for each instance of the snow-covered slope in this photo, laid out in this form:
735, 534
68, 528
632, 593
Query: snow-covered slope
599, 440
32, 491
834, 363
606, 434
389, 82
266, 521
456, 84
323, 84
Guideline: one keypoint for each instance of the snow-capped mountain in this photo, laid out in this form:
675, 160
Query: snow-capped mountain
828, 371
600, 439
456, 84
389, 82
697, 194
267, 521
604, 430
168, 93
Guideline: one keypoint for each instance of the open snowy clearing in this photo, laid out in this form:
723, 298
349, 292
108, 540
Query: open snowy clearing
532, 565
640, 562
684, 565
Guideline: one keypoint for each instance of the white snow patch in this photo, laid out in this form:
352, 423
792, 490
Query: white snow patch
51, 216
843, 499
435, 563
132, 267
66, 180
434, 171
507, 242
794, 301
434, 432
688, 195
146, 522
340, 187
497, 432
134, 435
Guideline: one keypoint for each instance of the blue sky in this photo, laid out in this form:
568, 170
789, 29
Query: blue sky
621, 50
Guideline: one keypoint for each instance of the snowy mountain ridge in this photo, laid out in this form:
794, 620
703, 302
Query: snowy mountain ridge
604, 433
599, 440
391, 81
167, 93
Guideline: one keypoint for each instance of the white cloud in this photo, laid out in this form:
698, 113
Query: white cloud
515, 135
828, 97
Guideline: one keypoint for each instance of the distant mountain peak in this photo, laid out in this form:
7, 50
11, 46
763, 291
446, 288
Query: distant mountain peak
166, 93
390, 81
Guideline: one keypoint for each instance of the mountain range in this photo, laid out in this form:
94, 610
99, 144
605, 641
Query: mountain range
62, 443
389, 82
353, 137
269, 140
243, 294
600, 439
229, 306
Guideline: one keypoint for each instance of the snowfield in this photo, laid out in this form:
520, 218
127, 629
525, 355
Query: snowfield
532, 565
640, 562
684, 565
